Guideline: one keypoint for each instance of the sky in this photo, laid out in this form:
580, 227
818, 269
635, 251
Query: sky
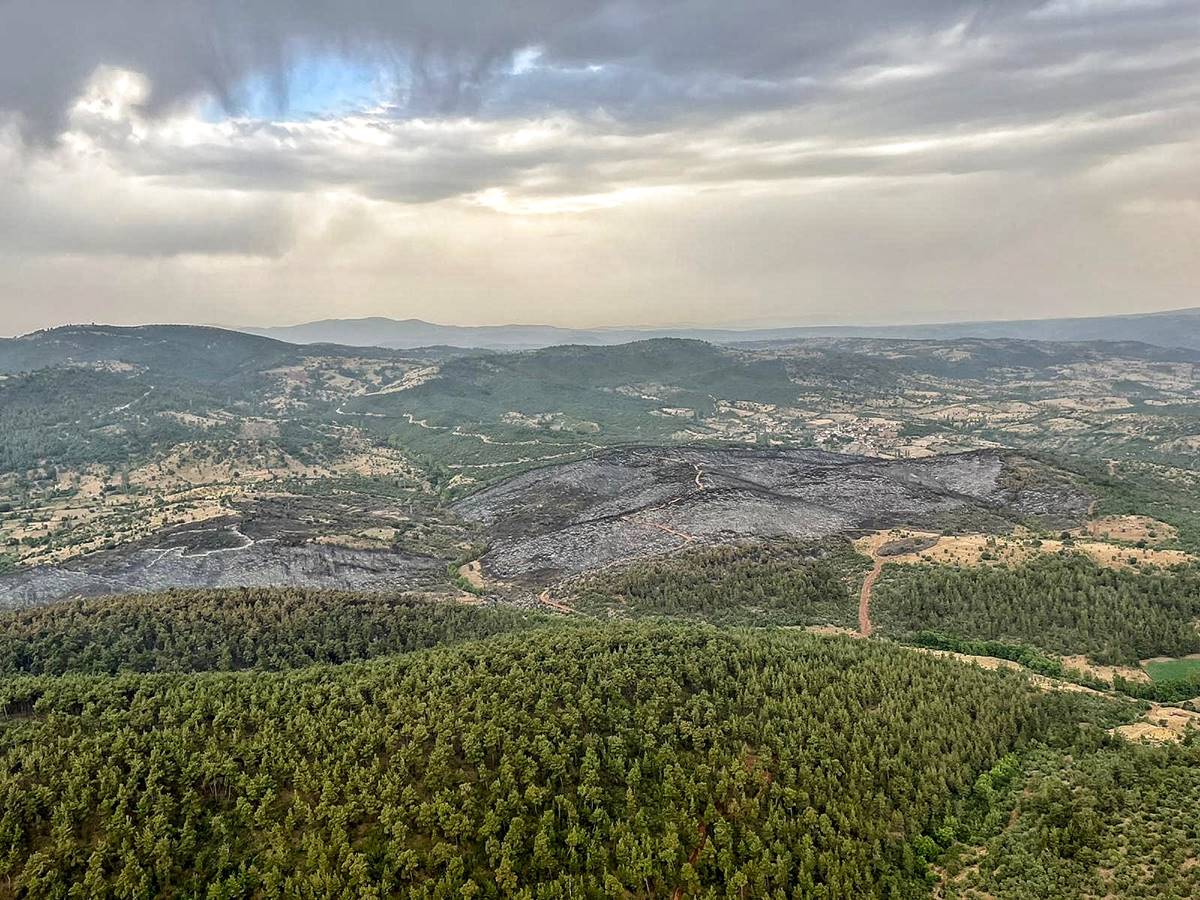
596, 162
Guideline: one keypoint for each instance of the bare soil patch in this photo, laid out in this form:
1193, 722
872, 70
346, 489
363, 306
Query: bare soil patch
1160, 724
472, 573
984, 662
1131, 529
1013, 549
1104, 673
1113, 555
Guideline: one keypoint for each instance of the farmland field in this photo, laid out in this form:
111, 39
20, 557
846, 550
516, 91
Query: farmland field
1171, 669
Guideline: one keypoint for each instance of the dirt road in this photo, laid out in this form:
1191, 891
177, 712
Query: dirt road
544, 599
864, 599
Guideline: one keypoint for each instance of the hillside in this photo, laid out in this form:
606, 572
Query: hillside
480, 417
640, 761
1063, 605
626, 504
1175, 328
187, 351
234, 630
580, 393
144, 459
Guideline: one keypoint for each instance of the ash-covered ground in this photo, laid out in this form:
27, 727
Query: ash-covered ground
568, 519
626, 504
274, 541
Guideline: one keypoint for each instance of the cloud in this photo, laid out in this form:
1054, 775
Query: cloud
607, 76
75, 201
692, 151
190, 47
633, 56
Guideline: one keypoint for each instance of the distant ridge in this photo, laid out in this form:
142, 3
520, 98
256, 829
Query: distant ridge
1175, 328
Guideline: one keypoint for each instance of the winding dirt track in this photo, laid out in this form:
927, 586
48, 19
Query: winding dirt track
544, 599
864, 599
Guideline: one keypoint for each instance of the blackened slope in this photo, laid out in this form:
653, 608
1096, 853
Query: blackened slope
629, 503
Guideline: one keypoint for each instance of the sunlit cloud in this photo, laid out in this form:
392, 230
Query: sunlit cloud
599, 160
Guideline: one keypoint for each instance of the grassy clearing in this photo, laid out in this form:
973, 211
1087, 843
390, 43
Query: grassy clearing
1172, 669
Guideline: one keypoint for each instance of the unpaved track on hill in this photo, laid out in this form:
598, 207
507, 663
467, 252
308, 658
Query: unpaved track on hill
686, 538
864, 599
544, 599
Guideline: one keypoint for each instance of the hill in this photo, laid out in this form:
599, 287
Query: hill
143, 459
187, 351
622, 505
640, 761
378, 331
536, 700
612, 387
1175, 328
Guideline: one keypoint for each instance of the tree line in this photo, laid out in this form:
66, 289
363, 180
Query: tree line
1062, 604
234, 629
620, 760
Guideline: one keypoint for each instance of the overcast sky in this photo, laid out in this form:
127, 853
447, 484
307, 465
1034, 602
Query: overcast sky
593, 162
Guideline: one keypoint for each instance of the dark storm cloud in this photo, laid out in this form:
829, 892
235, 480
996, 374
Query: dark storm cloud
867, 149
452, 56
652, 86
186, 47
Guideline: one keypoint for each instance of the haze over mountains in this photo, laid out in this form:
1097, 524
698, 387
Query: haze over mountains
1174, 328
797, 545
667, 594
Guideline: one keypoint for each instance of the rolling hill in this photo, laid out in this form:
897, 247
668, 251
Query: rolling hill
614, 760
191, 351
528, 693
1175, 328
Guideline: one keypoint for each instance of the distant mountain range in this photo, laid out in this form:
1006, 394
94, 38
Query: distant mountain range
188, 351
1177, 328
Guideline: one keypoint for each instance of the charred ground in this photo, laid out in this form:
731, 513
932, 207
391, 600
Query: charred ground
627, 504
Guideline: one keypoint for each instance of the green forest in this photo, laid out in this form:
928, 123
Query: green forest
1061, 604
1114, 820
230, 630
623, 760
779, 583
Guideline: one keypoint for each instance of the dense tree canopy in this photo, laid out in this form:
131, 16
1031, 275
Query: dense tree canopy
263, 628
781, 583
1119, 821
1063, 604
616, 760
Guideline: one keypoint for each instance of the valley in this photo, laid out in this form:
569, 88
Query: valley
635, 450
627, 595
